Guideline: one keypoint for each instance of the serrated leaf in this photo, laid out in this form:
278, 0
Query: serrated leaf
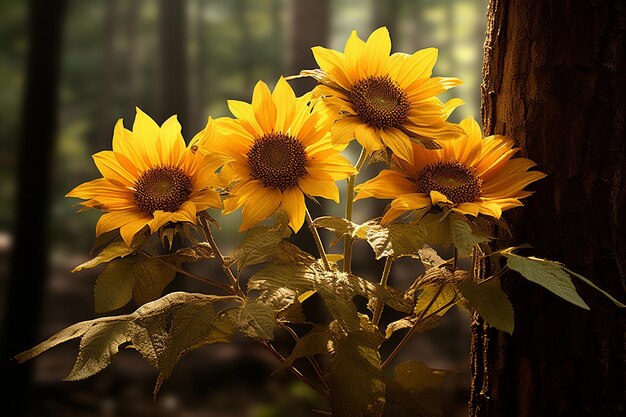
315, 342
430, 258
465, 235
548, 274
407, 239
408, 322
114, 286
257, 320
117, 249
259, 245
490, 302
337, 225
417, 389
356, 381
594, 286
446, 295
97, 346
162, 331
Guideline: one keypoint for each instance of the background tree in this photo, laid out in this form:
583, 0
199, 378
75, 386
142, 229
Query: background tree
29, 259
554, 81
309, 26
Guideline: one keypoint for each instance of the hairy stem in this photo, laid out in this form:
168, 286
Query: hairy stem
419, 320
317, 239
293, 369
312, 360
348, 240
380, 305
234, 282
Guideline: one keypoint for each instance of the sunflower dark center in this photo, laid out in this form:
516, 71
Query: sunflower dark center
162, 188
277, 160
380, 102
451, 178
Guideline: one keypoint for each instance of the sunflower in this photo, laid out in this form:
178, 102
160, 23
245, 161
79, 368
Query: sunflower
150, 178
281, 150
471, 175
384, 99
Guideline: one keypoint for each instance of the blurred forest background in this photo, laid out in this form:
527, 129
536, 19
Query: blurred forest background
184, 57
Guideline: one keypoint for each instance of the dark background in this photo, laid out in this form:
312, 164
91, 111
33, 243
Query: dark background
68, 71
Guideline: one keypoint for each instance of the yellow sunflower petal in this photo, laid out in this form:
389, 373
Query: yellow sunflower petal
437, 197
111, 169
245, 114
259, 205
333, 64
416, 66
129, 230
398, 142
376, 53
171, 143
285, 100
369, 138
146, 132
264, 107
116, 219
407, 202
387, 184
320, 188
293, 203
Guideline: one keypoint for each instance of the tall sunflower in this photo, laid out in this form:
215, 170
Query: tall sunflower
150, 178
471, 175
281, 150
384, 98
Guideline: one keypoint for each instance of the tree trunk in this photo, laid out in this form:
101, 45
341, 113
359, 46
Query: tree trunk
28, 268
173, 97
554, 81
387, 13
309, 21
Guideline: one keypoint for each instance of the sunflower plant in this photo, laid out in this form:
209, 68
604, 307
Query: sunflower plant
446, 184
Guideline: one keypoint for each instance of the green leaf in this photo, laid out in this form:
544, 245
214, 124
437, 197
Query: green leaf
356, 381
490, 302
408, 322
257, 320
594, 286
548, 274
260, 244
114, 286
465, 235
97, 346
417, 389
315, 342
117, 249
339, 226
162, 331
446, 295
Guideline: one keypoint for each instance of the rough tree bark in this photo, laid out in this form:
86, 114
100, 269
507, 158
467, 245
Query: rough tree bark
554, 80
28, 269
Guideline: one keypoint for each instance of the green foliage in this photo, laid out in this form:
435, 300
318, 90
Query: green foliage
550, 275
315, 342
260, 244
490, 302
407, 239
117, 249
163, 331
256, 319
356, 381
141, 278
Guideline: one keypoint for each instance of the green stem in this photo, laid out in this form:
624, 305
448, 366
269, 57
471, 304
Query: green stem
218, 254
408, 335
349, 240
317, 239
380, 305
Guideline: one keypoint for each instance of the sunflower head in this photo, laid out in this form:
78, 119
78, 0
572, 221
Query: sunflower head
471, 175
151, 178
384, 98
281, 150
